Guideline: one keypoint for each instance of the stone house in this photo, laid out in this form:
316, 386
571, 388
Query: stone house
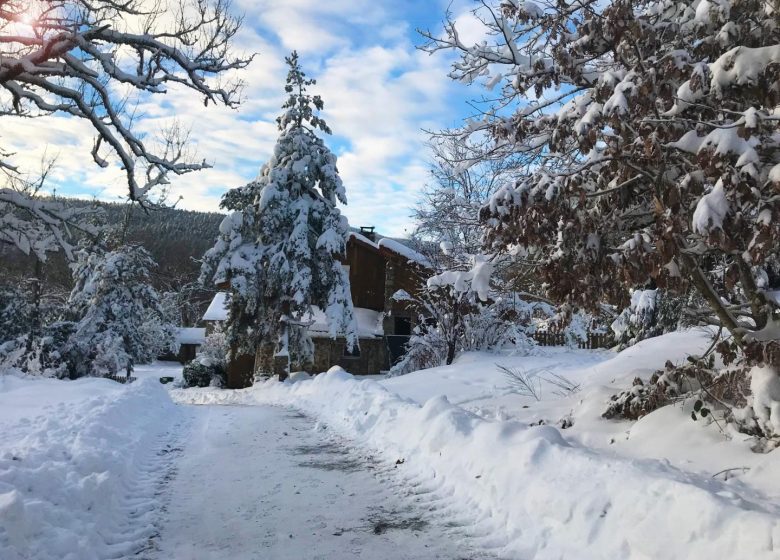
378, 268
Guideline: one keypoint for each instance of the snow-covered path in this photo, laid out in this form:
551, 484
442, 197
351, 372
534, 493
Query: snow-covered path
267, 483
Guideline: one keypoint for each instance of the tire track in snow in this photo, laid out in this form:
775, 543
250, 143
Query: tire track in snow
270, 483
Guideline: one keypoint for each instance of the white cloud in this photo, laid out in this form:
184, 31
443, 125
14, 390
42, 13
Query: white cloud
379, 93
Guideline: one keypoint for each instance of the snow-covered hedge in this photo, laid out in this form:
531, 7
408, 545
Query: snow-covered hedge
79, 467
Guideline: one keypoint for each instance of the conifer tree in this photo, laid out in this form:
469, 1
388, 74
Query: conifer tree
279, 248
116, 303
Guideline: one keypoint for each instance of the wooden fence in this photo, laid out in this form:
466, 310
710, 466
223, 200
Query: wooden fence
594, 340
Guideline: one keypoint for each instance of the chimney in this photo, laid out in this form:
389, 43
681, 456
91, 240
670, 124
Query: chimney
368, 231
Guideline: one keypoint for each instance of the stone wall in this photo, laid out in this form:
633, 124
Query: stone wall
328, 353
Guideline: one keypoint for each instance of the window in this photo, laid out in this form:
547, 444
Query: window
402, 326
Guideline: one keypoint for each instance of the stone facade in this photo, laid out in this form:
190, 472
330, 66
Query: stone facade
371, 359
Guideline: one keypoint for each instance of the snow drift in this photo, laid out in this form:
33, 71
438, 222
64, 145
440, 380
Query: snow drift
79, 466
526, 491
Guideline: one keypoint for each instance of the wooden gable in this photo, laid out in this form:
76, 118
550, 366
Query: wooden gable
366, 274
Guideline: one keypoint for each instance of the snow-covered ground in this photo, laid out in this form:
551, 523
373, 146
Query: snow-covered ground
80, 466
598, 489
476, 384
452, 462
268, 483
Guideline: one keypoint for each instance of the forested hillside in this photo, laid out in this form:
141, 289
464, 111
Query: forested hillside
175, 238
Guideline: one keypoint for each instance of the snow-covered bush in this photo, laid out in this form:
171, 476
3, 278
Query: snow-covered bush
427, 348
748, 398
201, 373
650, 313
664, 387
452, 319
577, 329
637, 321
505, 322
209, 367
43, 355
215, 347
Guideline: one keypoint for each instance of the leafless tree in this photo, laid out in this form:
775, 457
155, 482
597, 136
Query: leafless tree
39, 225
91, 58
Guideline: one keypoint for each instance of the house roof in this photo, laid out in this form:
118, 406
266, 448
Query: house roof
404, 251
190, 335
363, 239
396, 247
217, 310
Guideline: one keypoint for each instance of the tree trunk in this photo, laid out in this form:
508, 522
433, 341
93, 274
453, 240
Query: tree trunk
706, 290
755, 298
450, 351
35, 322
285, 342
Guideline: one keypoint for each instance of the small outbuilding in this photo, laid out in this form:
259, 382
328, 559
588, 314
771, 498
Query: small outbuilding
188, 342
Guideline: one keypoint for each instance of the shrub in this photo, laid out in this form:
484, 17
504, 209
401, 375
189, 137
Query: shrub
204, 373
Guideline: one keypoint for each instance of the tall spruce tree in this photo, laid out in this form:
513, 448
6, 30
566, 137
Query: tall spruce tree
279, 249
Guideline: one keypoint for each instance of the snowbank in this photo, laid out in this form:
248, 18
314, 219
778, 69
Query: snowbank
527, 490
79, 466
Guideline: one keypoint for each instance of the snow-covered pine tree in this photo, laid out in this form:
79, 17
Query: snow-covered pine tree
655, 132
279, 249
15, 312
115, 302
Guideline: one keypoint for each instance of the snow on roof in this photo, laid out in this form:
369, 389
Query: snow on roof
396, 246
404, 251
363, 238
369, 323
217, 310
190, 335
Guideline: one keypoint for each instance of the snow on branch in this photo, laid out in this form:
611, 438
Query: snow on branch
86, 58
646, 144
39, 224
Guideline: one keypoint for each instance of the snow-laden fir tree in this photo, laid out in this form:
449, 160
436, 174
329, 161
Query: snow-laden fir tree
119, 315
279, 249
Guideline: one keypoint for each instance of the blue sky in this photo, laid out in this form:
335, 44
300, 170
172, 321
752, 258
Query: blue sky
379, 92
